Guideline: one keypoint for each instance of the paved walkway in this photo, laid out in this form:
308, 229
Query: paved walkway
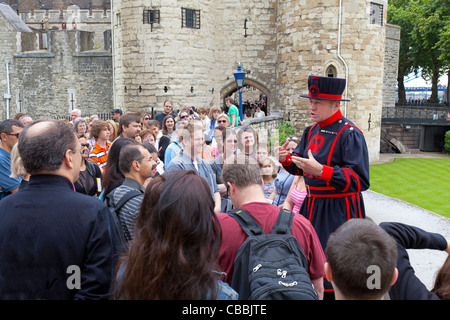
382, 208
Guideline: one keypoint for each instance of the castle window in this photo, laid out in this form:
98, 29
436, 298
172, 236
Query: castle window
376, 13
331, 72
190, 18
150, 16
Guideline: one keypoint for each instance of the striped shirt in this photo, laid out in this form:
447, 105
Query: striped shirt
100, 154
130, 210
297, 198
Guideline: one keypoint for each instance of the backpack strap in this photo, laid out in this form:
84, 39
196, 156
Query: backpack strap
283, 225
247, 223
126, 197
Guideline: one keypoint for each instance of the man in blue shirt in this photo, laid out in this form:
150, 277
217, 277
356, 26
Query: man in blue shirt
9, 136
193, 136
175, 146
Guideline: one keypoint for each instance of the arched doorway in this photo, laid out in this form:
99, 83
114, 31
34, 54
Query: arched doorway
254, 93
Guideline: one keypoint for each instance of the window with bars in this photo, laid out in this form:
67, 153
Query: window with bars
376, 13
190, 18
150, 16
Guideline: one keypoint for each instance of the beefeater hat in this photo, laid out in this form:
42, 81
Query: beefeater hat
325, 88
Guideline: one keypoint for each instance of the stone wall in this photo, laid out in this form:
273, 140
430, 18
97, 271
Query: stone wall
167, 55
72, 17
312, 40
50, 83
286, 41
391, 65
9, 45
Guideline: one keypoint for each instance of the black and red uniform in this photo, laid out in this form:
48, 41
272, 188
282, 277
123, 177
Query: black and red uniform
335, 196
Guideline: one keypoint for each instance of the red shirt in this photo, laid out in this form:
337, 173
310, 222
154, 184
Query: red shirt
266, 215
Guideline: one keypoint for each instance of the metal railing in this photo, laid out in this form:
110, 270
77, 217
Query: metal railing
424, 115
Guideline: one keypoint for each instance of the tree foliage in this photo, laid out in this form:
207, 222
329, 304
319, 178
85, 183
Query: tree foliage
425, 38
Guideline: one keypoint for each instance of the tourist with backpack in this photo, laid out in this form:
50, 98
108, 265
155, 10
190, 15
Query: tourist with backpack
266, 266
137, 165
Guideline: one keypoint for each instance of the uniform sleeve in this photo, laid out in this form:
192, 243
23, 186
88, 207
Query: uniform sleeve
353, 174
298, 151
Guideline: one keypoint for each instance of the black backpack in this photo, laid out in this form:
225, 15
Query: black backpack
270, 266
118, 234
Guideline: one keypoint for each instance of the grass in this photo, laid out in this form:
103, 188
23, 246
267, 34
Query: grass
423, 182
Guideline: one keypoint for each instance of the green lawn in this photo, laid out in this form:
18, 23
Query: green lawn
423, 182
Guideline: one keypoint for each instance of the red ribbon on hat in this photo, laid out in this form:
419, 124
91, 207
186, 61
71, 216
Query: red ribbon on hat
325, 96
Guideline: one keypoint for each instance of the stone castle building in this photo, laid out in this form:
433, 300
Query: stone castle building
49, 69
187, 51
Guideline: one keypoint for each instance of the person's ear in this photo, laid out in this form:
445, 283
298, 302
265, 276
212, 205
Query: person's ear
394, 276
136, 165
231, 188
69, 159
328, 271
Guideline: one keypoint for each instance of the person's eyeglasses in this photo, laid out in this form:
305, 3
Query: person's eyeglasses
13, 134
146, 118
85, 145
183, 117
221, 121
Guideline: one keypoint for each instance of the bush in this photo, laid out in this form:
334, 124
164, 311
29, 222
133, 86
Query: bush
284, 131
447, 141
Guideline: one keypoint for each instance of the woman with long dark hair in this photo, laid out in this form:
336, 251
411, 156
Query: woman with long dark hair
174, 251
112, 177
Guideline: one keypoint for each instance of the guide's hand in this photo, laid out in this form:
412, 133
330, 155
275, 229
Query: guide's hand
280, 152
308, 165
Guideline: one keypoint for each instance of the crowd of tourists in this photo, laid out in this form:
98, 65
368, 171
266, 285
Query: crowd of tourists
173, 181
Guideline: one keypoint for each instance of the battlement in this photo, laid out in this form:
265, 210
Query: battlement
59, 16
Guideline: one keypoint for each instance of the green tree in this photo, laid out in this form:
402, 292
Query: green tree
399, 14
425, 39
431, 19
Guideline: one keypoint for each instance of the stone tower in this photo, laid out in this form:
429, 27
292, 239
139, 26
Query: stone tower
187, 52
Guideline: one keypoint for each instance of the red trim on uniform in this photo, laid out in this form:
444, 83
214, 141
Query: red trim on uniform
334, 144
347, 177
311, 209
356, 178
335, 117
320, 188
334, 195
359, 205
325, 96
348, 208
356, 206
327, 173
310, 130
288, 161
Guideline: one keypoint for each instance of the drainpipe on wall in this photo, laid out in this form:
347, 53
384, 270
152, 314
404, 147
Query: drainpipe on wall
8, 94
112, 55
339, 55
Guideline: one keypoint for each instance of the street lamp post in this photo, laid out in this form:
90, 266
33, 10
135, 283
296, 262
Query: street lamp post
239, 76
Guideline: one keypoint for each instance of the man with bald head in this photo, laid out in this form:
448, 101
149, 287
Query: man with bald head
54, 242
